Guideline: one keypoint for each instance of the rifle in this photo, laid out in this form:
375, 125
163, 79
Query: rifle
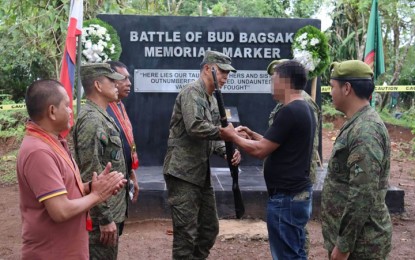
237, 196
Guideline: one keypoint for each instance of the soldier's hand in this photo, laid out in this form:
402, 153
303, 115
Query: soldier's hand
109, 234
245, 131
227, 133
243, 134
236, 159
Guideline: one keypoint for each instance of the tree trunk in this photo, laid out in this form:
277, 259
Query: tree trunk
385, 99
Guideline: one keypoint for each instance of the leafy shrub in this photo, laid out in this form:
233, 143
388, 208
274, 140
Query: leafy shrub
12, 122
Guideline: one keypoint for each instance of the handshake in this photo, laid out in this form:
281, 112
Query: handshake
229, 133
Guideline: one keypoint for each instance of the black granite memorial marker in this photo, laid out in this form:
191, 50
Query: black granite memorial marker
164, 53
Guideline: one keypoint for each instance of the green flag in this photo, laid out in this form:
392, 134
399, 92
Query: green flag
374, 48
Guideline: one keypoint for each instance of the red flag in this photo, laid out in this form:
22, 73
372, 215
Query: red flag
67, 76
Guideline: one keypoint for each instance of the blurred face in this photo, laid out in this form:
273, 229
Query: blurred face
123, 85
280, 88
62, 112
108, 89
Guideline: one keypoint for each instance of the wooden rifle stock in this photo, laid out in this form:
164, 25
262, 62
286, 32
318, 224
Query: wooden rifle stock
237, 196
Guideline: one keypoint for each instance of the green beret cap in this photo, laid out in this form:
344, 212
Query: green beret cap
94, 70
271, 66
350, 70
220, 59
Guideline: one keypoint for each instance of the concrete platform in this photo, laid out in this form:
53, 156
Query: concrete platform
152, 200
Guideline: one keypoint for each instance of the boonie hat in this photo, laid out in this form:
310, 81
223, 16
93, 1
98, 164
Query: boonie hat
350, 70
220, 59
100, 69
273, 64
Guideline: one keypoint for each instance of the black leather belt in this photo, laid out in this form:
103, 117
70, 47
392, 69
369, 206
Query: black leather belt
302, 195
273, 191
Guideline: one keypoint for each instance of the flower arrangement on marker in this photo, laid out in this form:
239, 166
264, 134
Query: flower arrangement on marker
100, 42
310, 48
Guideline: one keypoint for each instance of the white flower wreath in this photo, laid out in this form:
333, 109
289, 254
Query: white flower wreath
310, 48
100, 42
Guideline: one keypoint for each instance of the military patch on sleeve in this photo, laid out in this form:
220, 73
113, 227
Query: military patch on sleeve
357, 169
103, 137
360, 176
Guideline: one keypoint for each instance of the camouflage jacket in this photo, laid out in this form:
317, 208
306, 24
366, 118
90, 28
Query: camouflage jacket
97, 141
354, 215
316, 112
193, 134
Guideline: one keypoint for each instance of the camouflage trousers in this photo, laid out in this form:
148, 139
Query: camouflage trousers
353, 256
195, 219
98, 251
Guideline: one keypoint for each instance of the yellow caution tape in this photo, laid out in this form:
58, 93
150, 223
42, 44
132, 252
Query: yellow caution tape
23, 105
326, 89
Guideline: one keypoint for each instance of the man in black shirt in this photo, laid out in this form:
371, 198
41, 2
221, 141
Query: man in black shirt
287, 150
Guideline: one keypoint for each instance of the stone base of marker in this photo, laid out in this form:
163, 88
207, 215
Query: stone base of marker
152, 200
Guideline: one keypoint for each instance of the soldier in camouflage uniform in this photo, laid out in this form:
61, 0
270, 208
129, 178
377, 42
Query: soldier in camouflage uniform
355, 219
97, 142
193, 137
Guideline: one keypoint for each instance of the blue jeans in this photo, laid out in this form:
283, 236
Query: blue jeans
287, 216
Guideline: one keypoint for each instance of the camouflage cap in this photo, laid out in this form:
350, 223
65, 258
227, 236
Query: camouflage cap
350, 70
220, 59
99, 69
271, 66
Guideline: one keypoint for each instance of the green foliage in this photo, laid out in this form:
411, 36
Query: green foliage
407, 120
12, 123
32, 38
407, 76
8, 168
15, 79
409, 116
240, 8
277, 9
112, 49
329, 111
328, 126
303, 8
264, 8
347, 36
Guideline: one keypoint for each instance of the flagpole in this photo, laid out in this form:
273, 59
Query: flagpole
78, 69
